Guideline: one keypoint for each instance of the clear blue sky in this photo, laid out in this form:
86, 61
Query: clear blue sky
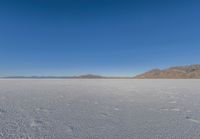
108, 37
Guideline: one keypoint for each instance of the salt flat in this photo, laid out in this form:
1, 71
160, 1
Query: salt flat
99, 109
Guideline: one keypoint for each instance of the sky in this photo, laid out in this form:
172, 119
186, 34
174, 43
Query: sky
106, 37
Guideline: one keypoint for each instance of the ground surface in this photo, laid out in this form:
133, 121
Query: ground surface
99, 109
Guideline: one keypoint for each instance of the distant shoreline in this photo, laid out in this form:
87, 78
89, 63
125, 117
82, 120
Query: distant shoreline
179, 72
131, 78
66, 77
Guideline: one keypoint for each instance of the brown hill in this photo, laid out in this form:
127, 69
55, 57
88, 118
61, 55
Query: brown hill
181, 72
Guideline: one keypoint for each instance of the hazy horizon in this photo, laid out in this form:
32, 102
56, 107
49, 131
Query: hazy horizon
107, 37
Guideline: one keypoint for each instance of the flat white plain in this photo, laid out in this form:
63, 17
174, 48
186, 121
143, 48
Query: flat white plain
99, 109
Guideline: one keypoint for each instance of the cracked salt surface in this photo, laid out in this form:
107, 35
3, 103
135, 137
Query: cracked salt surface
99, 109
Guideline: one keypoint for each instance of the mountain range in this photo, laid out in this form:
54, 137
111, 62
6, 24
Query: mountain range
179, 72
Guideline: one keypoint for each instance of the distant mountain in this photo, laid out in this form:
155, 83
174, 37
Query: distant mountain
87, 76
180, 72
90, 76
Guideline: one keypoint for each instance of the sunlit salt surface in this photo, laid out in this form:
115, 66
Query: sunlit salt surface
99, 109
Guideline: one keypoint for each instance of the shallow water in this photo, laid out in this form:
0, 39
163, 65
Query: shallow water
99, 109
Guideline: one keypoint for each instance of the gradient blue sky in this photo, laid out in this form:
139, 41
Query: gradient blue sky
108, 37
